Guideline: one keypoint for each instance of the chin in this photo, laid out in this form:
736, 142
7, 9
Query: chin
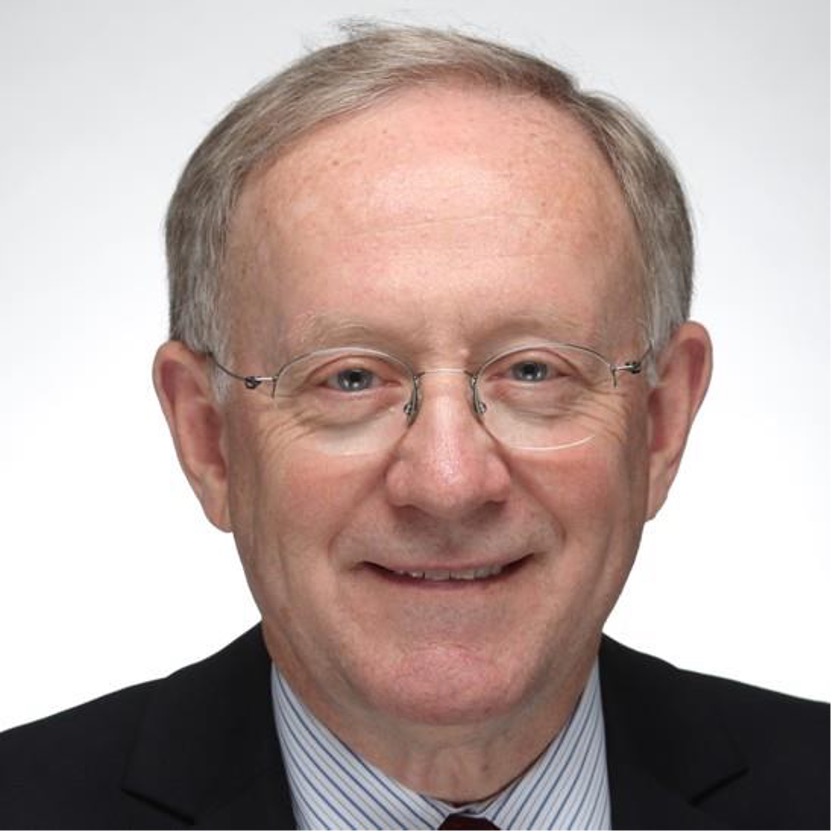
451, 688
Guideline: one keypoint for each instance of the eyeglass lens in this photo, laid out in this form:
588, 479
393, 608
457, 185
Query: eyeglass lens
352, 401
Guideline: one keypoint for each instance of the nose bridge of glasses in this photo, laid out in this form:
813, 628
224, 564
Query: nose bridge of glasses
414, 406
458, 371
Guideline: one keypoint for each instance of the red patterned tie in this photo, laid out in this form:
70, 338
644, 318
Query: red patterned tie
466, 822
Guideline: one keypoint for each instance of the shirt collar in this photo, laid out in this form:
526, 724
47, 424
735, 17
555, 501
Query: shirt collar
334, 788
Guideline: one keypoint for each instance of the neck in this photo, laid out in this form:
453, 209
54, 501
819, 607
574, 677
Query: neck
461, 762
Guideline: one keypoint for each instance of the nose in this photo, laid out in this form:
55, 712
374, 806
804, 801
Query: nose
447, 465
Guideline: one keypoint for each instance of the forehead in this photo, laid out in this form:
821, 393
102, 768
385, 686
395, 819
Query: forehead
437, 184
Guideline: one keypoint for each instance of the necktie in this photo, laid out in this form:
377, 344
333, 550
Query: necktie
466, 822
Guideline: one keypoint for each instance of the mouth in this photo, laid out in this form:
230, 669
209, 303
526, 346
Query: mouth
457, 577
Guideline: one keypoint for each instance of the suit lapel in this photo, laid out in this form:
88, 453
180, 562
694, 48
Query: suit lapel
207, 750
666, 750
207, 753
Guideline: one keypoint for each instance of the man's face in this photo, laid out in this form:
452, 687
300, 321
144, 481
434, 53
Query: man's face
442, 227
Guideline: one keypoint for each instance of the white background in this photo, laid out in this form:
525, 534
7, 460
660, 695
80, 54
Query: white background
108, 572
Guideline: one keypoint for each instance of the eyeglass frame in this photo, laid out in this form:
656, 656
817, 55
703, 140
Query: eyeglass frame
413, 405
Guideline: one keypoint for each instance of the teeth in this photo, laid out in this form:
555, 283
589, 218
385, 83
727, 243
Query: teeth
452, 575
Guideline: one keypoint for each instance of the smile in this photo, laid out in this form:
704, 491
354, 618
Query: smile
451, 574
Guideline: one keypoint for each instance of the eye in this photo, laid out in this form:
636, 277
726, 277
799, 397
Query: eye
343, 377
530, 371
352, 380
536, 370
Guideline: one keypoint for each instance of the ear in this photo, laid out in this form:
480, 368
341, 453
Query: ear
684, 370
184, 388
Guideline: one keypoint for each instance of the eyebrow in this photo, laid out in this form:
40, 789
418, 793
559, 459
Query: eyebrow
321, 330
554, 324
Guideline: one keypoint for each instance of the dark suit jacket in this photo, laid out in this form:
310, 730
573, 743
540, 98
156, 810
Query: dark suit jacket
199, 749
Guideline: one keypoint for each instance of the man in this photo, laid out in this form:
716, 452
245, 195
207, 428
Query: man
431, 363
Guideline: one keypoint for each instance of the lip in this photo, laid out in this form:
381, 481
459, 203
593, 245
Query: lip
444, 576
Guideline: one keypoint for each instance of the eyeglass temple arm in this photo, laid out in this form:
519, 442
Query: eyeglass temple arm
633, 367
251, 382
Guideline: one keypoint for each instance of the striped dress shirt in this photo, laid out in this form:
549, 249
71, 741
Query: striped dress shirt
334, 788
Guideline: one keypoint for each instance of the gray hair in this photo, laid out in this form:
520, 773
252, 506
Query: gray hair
372, 63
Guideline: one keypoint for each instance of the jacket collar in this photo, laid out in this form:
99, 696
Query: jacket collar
207, 750
666, 747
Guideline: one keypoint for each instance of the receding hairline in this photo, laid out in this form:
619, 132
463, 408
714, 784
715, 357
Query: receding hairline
372, 63
453, 82
265, 204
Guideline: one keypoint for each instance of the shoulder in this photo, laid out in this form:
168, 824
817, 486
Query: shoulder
636, 674
74, 769
752, 757
71, 761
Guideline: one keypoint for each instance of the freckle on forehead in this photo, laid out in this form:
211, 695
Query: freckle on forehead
537, 128
415, 173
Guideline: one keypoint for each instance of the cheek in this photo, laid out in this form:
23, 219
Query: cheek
288, 503
597, 496
593, 483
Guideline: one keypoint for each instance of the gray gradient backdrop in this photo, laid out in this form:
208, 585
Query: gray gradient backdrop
108, 572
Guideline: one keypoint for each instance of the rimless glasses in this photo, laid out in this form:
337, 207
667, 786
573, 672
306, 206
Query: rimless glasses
351, 400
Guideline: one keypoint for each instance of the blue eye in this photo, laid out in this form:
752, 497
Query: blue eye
353, 380
530, 371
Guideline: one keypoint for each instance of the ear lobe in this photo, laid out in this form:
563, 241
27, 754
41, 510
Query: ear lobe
684, 369
185, 392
